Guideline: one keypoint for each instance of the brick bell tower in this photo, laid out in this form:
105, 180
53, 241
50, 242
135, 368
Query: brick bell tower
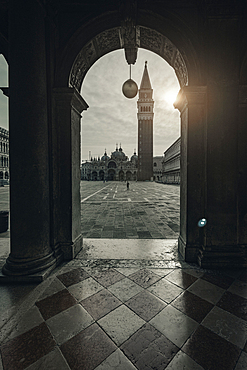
145, 105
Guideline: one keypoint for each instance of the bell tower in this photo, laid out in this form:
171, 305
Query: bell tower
145, 105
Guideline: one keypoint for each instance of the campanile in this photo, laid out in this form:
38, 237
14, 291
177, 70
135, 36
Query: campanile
145, 105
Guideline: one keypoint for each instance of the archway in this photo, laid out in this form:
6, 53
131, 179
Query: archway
211, 100
121, 176
94, 176
128, 176
184, 64
101, 175
111, 175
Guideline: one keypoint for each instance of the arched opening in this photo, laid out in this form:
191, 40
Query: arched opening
112, 164
111, 175
128, 176
101, 175
94, 176
77, 60
121, 176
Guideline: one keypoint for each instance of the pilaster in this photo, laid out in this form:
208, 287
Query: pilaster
192, 102
67, 108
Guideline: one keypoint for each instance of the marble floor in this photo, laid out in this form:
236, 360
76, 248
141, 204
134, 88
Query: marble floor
123, 305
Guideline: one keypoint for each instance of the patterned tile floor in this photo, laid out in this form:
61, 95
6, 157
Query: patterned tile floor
103, 312
146, 210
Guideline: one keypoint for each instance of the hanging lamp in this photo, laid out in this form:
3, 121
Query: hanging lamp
130, 87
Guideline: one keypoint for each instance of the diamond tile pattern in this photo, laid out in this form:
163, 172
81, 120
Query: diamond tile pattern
141, 318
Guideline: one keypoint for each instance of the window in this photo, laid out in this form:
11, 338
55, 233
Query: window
155, 164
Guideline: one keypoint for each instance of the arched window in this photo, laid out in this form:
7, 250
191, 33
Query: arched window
4, 147
149, 109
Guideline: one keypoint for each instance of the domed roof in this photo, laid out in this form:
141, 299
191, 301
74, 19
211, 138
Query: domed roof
134, 157
105, 156
118, 153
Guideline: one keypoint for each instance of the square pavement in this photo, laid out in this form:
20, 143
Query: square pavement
130, 316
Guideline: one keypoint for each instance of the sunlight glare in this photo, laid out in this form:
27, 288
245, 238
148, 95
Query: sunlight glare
170, 96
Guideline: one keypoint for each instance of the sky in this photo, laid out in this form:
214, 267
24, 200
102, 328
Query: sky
111, 117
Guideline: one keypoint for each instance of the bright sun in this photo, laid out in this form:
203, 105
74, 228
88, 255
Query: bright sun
170, 96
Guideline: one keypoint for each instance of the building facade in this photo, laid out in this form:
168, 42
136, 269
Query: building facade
171, 164
117, 167
145, 105
4, 154
157, 168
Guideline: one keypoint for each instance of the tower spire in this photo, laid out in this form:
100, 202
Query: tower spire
145, 115
145, 83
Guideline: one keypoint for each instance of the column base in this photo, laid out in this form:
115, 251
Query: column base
70, 250
188, 252
221, 257
27, 270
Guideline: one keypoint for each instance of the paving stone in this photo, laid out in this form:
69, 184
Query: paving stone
211, 351
88, 349
193, 306
241, 365
73, 277
144, 277
56, 303
27, 348
227, 326
181, 278
206, 290
183, 362
120, 324
100, 304
125, 289
149, 349
234, 304
165, 290
146, 305
85, 289
53, 361
174, 325
68, 323
108, 277
116, 361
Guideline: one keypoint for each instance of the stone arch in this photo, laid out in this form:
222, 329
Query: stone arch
110, 40
166, 35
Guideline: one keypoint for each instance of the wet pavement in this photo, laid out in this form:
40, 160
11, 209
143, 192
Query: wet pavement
148, 210
126, 304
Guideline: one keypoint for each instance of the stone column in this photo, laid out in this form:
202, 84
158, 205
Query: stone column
191, 102
242, 171
31, 251
67, 108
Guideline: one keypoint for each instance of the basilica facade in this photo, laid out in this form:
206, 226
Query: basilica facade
117, 167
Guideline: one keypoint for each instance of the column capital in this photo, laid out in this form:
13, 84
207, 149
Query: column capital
70, 95
190, 95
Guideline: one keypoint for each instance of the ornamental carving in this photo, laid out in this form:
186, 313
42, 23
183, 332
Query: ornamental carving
79, 69
181, 70
108, 41
113, 39
150, 40
169, 51
90, 52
